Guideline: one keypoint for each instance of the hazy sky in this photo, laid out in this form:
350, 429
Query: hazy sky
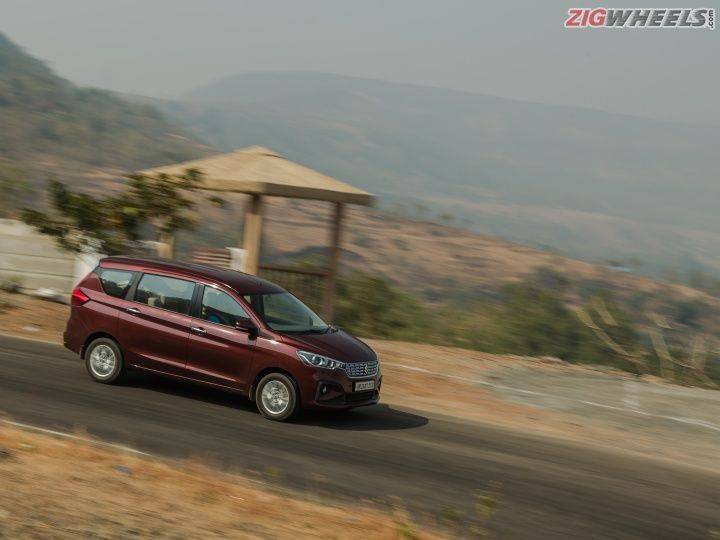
512, 49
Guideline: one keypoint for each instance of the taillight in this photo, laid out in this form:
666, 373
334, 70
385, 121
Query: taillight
78, 298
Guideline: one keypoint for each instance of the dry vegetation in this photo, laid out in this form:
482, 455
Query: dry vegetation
426, 257
60, 488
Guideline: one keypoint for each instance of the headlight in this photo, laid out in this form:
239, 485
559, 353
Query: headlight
317, 360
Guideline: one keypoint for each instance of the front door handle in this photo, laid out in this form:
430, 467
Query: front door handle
198, 330
133, 310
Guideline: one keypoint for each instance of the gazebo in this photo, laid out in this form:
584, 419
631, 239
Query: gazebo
260, 172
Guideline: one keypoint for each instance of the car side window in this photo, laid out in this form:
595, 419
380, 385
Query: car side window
220, 308
165, 293
115, 282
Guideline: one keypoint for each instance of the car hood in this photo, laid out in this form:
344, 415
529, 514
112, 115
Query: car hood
338, 345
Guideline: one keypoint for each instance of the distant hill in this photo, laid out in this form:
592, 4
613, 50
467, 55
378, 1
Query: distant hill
50, 126
593, 184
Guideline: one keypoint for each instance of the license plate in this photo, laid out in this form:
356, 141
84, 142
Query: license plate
364, 385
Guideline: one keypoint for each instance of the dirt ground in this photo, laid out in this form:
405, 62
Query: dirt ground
28, 317
534, 395
59, 488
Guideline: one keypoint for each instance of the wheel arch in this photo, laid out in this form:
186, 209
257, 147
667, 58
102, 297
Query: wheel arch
274, 369
92, 337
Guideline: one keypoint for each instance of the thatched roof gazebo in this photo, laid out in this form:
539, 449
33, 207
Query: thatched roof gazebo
260, 172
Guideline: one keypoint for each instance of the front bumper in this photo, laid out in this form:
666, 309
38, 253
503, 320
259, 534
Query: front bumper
331, 394
336, 390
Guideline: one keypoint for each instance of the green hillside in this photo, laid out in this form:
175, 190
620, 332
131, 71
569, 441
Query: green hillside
596, 185
50, 125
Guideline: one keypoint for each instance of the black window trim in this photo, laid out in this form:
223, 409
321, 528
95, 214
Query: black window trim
130, 294
195, 304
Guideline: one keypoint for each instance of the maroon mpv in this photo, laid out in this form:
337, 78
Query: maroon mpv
217, 327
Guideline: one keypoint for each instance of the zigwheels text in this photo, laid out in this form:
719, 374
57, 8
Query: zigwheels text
640, 18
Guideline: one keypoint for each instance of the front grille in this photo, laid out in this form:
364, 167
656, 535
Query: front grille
362, 369
359, 397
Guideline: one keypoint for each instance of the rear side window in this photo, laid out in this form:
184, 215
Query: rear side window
165, 293
115, 282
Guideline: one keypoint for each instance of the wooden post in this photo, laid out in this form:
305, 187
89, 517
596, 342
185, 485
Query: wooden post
333, 263
166, 249
252, 234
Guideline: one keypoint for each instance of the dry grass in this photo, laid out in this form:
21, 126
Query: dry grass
59, 488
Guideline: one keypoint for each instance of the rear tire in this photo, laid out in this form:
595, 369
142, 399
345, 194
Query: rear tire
104, 361
277, 397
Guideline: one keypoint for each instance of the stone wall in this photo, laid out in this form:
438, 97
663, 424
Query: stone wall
33, 259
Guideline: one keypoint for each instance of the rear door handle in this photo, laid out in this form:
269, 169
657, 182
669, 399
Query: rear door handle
133, 310
198, 330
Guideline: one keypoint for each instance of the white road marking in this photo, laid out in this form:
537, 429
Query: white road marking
633, 410
631, 396
65, 435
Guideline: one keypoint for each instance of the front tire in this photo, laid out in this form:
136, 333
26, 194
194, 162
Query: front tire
277, 397
104, 361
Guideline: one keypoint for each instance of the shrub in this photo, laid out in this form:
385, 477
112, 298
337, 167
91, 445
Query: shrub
370, 306
536, 322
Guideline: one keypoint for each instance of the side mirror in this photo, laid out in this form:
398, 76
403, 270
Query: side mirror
245, 324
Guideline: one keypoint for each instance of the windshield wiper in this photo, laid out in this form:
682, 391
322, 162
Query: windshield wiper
329, 329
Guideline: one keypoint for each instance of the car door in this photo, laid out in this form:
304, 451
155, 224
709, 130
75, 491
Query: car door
154, 326
106, 308
218, 352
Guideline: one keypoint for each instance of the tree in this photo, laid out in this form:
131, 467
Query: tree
162, 202
115, 223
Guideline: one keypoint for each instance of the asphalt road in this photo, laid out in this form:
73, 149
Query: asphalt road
434, 465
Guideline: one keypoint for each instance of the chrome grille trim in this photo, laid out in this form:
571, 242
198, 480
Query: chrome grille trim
361, 370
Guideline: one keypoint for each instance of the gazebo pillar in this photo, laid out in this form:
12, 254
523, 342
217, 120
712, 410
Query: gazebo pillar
333, 263
166, 245
252, 234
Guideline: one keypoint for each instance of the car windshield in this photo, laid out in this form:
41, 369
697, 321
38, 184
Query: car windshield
283, 312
